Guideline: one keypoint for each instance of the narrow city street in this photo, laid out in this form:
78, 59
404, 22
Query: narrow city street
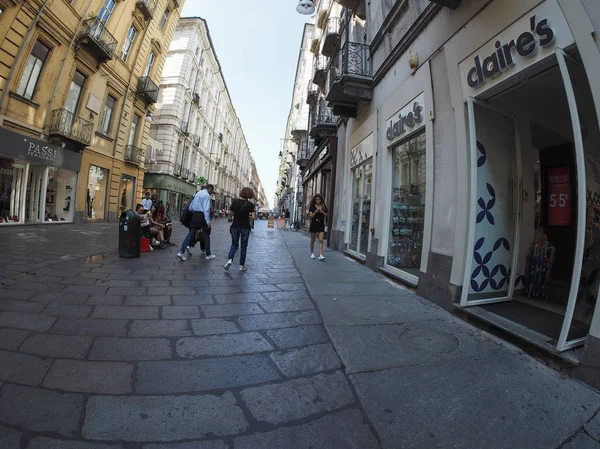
101, 352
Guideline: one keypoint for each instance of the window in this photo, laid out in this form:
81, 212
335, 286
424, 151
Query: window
33, 68
107, 115
149, 64
74, 92
106, 10
133, 131
128, 43
96, 193
165, 18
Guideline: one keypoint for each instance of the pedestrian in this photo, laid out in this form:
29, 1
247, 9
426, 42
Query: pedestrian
168, 210
318, 215
147, 202
200, 209
286, 215
243, 210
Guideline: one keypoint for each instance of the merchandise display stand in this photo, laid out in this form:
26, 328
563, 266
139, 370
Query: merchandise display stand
539, 268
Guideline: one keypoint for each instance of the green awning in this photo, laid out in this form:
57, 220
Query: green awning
167, 182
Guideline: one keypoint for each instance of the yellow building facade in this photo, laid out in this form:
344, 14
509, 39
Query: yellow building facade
78, 84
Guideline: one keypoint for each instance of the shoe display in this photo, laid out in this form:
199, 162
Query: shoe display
55, 218
68, 198
211, 257
228, 264
66, 209
68, 188
182, 257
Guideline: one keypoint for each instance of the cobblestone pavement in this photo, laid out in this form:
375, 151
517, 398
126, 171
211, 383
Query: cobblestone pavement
154, 353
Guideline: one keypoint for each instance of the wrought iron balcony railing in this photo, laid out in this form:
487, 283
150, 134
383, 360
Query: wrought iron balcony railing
147, 8
352, 59
177, 169
66, 124
305, 150
133, 154
322, 114
97, 39
147, 90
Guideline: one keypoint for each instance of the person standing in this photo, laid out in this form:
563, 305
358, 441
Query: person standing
286, 215
147, 202
200, 208
243, 210
318, 214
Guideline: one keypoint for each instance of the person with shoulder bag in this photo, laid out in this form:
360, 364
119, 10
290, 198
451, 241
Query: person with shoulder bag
243, 211
199, 209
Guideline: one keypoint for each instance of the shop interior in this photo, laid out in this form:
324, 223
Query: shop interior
534, 201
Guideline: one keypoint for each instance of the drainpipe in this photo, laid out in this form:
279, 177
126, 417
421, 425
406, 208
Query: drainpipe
19, 52
62, 64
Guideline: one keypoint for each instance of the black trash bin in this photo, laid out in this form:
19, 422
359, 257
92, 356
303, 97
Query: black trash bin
130, 233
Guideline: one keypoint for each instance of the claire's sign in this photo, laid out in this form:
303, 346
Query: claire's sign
409, 118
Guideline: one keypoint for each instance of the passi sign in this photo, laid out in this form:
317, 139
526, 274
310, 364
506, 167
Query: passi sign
524, 45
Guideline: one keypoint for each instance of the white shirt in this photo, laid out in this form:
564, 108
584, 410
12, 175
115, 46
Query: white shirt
147, 203
201, 203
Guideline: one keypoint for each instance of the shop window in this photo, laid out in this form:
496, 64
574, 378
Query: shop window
127, 192
96, 193
165, 18
128, 44
12, 176
32, 71
107, 114
408, 205
60, 195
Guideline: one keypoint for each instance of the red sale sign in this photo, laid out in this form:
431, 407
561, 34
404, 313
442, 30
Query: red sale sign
559, 196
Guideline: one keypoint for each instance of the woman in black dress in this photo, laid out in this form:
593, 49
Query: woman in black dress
318, 214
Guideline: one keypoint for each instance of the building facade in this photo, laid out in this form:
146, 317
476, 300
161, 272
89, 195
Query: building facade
296, 150
467, 157
77, 81
197, 125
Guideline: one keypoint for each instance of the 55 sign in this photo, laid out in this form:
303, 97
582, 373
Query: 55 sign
559, 196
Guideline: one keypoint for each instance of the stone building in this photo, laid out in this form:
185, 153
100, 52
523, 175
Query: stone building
196, 123
77, 81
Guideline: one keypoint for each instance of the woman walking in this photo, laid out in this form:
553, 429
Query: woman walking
243, 210
318, 214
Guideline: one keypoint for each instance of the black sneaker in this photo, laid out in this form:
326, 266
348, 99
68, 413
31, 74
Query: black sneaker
68, 188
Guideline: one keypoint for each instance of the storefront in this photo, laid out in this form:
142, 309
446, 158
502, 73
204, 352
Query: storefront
319, 177
533, 230
172, 191
127, 193
36, 180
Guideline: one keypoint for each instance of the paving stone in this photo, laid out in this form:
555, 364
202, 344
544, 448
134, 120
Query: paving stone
90, 377
298, 336
12, 338
62, 297
260, 288
84, 289
298, 398
292, 287
19, 295
68, 310
88, 326
124, 276
159, 328
203, 375
222, 345
279, 320
210, 326
343, 430
108, 348
55, 345
309, 360
90, 275
226, 310
193, 300
9, 439
119, 283
218, 290
40, 409
147, 300
212, 444
127, 291
290, 305
593, 427
78, 281
126, 312
230, 283
162, 418
286, 295
26, 321
238, 298
582, 441
105, 300
180, 291
51, 443
175, 312
37, 286
11, 305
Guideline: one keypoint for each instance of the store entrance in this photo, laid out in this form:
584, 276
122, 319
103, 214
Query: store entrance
535, 239
361, 209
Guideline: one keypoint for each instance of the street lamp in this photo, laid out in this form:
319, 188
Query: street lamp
305, 7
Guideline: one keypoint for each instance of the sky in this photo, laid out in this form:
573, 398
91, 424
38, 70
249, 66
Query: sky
257, 44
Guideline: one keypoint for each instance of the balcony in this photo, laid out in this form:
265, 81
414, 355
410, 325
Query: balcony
332, 38
96, 39
323, 122
183, 127
350, 80
305, 150
133, 155
147, 90
312, 93
147, 8
177, 169
299, 129
69, 128
320, 75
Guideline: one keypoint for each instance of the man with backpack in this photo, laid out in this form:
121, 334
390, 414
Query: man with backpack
197, 217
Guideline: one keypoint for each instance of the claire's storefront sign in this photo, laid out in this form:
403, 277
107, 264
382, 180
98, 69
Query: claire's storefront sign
20, 146
406, 120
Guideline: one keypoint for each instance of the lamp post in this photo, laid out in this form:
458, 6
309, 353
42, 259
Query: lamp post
305, 7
